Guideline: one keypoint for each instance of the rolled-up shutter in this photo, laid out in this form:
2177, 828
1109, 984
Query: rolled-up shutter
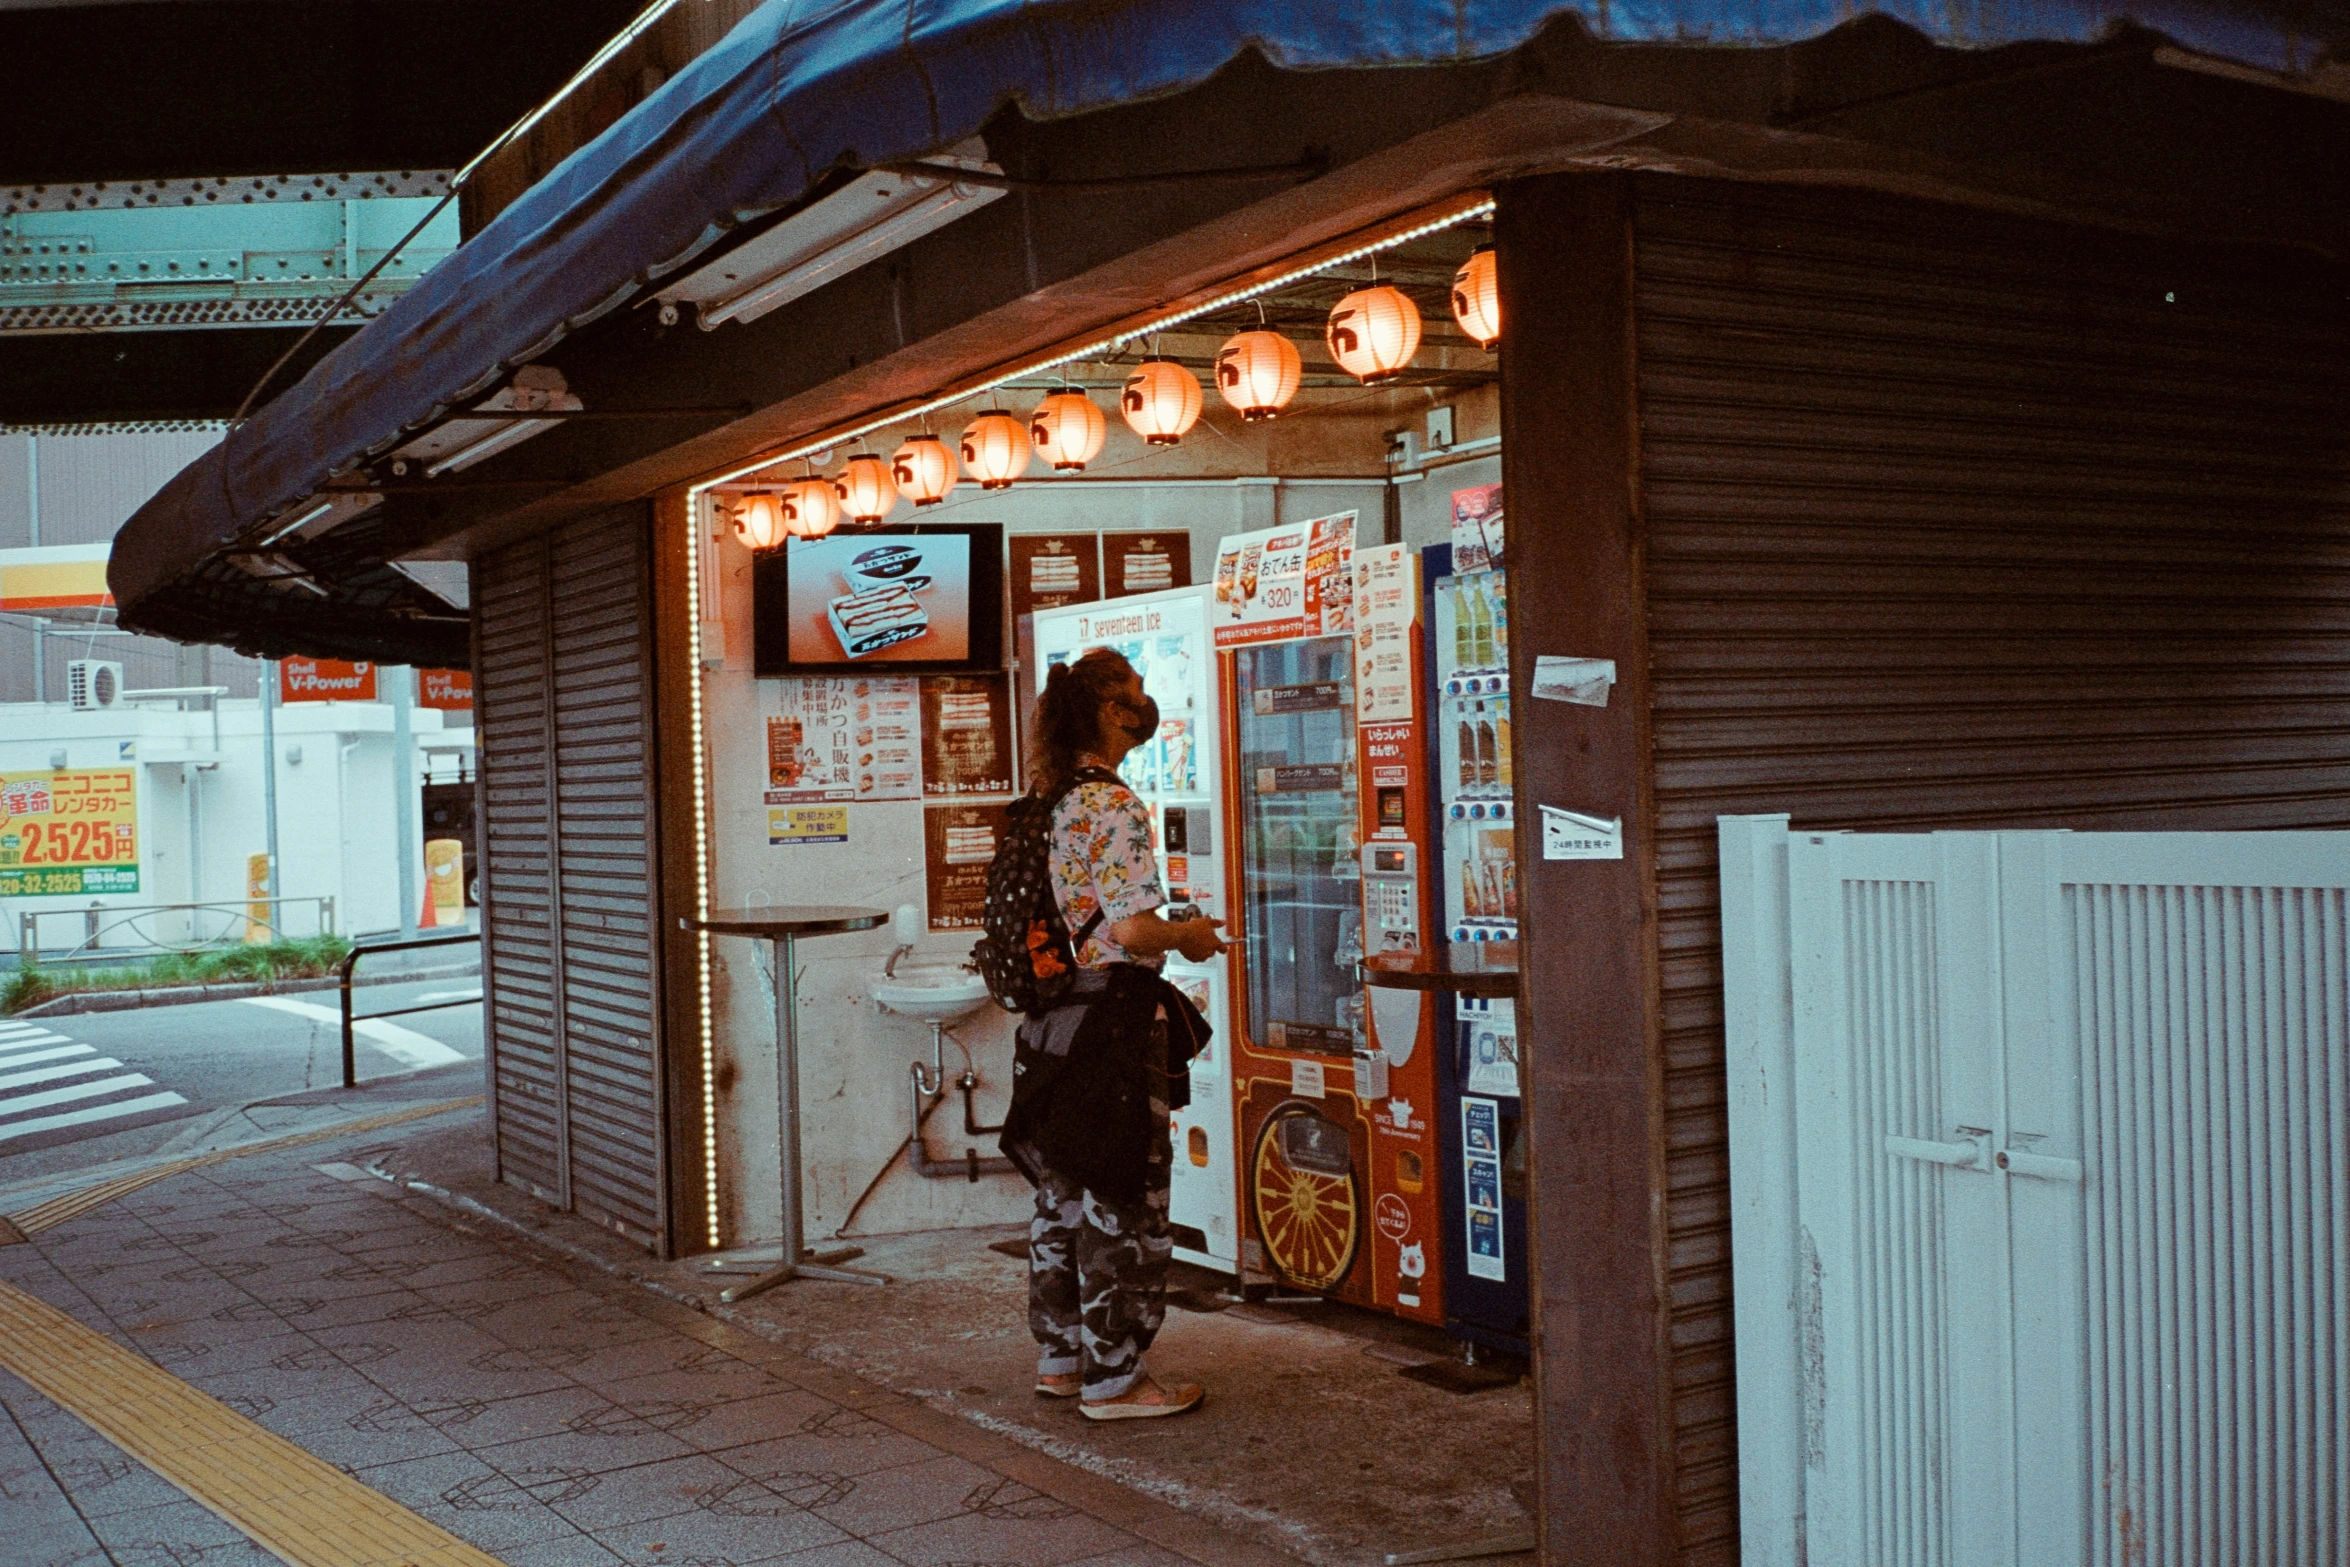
564, 698
1959, 520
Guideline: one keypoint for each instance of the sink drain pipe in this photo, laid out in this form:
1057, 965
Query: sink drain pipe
929, 1090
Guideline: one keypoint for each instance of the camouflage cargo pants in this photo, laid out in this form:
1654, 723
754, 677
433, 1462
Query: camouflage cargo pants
1097, 1276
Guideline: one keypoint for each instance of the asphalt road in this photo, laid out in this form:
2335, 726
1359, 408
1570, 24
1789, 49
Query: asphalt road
70, 1089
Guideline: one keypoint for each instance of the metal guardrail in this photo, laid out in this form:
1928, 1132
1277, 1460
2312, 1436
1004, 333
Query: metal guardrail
102, 920
352, 1019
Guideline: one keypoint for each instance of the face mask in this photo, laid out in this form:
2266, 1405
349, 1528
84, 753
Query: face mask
1146, 717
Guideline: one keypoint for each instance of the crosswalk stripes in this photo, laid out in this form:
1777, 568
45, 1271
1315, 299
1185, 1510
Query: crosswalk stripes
53, 1089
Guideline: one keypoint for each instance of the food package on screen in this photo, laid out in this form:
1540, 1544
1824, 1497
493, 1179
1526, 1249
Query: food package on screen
877, 618
883, 565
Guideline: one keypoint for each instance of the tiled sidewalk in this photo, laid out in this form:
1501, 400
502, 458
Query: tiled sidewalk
553, 1420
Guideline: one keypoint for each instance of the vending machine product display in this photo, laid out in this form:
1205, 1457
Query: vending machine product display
1179, 776
1335, 1084
1479, 1106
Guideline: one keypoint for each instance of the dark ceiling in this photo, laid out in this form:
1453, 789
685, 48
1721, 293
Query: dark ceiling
206, 87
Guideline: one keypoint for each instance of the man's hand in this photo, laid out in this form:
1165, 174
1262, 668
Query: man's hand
1197, 939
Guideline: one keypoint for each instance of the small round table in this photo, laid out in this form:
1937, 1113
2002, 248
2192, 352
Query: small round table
784, 925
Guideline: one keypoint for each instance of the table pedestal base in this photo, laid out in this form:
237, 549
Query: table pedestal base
759, 1258
784, 1273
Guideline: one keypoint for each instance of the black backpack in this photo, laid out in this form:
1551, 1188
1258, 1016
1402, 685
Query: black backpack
1028, 958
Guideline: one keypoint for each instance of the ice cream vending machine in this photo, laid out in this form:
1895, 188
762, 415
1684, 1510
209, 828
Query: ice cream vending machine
1478, 1112
1331, 861
1178, 774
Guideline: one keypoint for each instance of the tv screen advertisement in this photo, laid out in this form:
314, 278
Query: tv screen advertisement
901, 601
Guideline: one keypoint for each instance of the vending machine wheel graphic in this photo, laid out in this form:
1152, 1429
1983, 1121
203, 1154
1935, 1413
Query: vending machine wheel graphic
1306, 1197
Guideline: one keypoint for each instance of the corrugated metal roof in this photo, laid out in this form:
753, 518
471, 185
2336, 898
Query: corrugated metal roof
803, 87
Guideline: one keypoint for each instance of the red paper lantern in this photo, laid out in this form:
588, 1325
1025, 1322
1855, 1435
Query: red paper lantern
758, 521
810, 508
1374, 332
995, 449
1476, 298
924, 470
1257, 372
1161, 401
865, 489
1068, 430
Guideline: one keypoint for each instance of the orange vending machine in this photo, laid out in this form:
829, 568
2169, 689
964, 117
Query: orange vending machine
1335, 1086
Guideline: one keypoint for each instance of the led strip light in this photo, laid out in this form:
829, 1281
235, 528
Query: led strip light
697, 514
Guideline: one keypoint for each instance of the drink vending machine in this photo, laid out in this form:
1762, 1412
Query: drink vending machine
1479, 1118
1335, 1084
1179, 776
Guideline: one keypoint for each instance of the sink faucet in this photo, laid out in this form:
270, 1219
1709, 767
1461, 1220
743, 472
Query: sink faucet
905, 923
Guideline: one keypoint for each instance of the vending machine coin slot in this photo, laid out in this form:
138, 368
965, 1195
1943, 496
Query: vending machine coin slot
1391, 894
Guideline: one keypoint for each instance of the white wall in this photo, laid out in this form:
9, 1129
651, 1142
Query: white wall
336, 818
853, 1058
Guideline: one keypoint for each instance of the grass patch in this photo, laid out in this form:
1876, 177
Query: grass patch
311, 957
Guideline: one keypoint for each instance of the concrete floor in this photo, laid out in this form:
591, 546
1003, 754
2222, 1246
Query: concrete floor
1312, 1440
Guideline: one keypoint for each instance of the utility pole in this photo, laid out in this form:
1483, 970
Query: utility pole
32, 472
404, 785
269, 778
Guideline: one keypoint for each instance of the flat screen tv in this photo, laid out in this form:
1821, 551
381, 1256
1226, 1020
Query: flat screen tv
901, 601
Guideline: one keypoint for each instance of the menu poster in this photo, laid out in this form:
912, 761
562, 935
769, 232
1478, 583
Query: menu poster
1276, 584
966, 736
1386, 594
1145, 562
850, 738
958, 843
1053, 569
1477, 529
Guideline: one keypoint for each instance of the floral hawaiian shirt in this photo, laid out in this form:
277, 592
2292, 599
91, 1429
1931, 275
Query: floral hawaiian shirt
1102, 859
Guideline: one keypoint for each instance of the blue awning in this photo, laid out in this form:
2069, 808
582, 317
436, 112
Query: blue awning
802, 87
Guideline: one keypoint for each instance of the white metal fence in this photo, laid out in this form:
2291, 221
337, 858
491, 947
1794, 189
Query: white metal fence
2040, 1155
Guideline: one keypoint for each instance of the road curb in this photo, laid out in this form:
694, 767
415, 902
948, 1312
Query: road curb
182, 995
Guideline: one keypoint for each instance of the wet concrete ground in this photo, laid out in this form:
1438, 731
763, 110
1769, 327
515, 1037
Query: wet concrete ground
552, 1395
1312, 1441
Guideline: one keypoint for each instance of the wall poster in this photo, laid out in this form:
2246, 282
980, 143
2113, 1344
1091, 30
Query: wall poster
1053, 569
847, 738
958, 842
1144, 563
1292, 581
69, 832
966, 736
1387, 602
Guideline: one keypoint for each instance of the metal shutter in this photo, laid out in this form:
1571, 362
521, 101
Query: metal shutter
1960, 520
565, 701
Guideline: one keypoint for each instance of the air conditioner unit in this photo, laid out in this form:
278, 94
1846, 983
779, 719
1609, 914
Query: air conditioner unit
92, 684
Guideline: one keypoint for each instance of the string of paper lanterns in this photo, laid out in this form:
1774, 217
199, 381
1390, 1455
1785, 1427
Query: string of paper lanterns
1372, 335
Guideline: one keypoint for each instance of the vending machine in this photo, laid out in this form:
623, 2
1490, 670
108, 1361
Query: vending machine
1335, 1084
1179, 775
1478, 1112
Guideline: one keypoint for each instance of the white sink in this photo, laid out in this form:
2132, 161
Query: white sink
932, 995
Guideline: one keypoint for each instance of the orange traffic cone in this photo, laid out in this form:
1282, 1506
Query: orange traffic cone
426, 920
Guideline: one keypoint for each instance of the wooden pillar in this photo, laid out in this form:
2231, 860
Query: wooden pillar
1588, 1020
676, 668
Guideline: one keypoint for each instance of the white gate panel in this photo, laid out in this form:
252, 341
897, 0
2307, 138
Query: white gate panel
2212, 1016
2046, 1258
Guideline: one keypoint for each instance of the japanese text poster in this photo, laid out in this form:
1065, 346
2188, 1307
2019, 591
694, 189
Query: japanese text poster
854, 738
69, 832
966, 736
958, 843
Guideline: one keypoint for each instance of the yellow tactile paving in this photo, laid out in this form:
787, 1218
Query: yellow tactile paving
19, 1227
299, 1508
